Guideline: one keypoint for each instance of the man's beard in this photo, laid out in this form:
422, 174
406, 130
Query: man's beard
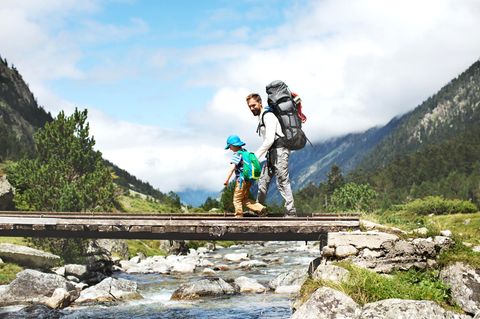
256, 112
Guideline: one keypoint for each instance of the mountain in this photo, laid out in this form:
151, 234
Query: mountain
21, 117
311, 164
451, 111
433, 149
196, 197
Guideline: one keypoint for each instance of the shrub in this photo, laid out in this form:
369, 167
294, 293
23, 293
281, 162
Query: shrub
439, 206
352, 196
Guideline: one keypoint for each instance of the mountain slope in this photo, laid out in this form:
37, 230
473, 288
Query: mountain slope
20, 115
448, 113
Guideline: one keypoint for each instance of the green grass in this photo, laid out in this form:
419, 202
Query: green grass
465, 226
8, 272
15, 240
131, 204
459, 253
147, 247
365, 286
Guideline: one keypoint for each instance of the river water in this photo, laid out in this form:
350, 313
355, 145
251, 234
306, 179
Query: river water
157, 289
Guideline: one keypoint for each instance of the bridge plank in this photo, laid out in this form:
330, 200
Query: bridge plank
171, 227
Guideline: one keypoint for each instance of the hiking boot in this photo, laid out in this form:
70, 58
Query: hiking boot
238, 216
249, 213
290, 215
263, 212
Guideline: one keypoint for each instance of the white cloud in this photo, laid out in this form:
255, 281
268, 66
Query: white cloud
355, 63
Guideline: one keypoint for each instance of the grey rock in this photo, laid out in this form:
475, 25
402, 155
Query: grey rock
289, 282
370, 239
61, 298
249, 264
32, 286
328, 303
99, 262
370, 254
236, 257
328, 251
79, 271
28, 257
330, 272
425, 247
6, 194
465, 286
246, 284
109, 290
174, 247
407, 309
208, 287
345, 251
446, 233
118, 247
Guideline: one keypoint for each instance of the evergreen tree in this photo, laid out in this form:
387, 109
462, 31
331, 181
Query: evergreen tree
66, 174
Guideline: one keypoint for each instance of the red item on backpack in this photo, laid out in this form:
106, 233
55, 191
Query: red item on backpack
298, 102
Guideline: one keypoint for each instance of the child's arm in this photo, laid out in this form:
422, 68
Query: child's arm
230, 172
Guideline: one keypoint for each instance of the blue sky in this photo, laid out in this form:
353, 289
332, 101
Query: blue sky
164, 28
165, 81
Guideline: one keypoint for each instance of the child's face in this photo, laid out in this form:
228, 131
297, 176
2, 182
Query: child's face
234, 148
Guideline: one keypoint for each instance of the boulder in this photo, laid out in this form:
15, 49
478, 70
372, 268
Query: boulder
370, 239
289, 282
407, 309
6, 194
99, 263
61, 298
79, 271
32, 286
236, 257
118, 247
345, 250
208, 287
248, 264
246, 284
330, 272
28, 257
328, 303
174, 247
108, 290
464, 282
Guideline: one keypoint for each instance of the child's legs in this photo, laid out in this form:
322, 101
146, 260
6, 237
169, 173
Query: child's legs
250, 204
238, 198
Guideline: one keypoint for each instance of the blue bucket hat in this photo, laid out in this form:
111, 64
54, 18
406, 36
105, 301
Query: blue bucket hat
235, 141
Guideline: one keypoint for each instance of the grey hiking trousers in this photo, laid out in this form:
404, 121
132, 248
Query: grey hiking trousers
277, 165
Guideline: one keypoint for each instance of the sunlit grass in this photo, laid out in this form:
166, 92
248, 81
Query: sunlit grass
365, 286
8, 272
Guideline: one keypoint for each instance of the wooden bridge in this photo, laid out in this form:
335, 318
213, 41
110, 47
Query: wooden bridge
174, 226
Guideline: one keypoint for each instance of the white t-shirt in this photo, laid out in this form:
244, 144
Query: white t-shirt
270, 131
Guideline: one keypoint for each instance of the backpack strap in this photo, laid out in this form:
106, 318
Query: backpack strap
262, 123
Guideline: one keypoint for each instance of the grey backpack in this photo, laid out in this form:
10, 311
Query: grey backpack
283, 105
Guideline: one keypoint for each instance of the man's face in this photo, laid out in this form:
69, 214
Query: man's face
254, 106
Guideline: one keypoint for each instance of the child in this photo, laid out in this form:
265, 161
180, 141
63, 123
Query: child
242, 185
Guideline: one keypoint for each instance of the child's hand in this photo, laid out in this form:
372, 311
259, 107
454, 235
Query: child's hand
225, 183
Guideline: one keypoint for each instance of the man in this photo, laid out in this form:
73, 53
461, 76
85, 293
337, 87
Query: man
277, 155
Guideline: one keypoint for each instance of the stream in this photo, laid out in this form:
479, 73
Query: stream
157, 289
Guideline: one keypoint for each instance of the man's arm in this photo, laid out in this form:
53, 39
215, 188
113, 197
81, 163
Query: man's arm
270, 121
